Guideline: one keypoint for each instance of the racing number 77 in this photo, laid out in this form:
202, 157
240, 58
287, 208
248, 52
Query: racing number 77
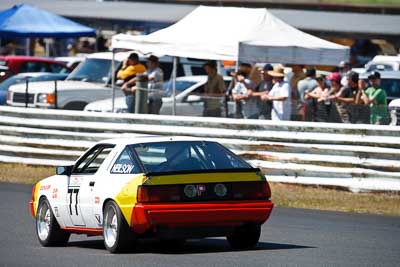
71, 192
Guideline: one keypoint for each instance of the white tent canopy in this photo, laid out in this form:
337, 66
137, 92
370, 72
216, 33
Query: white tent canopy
230, 33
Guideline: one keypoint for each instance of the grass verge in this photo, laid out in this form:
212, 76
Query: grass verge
283, 195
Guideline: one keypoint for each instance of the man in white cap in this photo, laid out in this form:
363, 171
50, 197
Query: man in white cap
280, 95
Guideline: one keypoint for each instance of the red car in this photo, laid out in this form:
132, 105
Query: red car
18, 64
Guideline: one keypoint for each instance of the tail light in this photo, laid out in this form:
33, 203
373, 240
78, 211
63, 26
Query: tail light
258, 190
154, 194
251, 190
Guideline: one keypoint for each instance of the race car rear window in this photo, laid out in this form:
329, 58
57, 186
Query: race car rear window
187, 156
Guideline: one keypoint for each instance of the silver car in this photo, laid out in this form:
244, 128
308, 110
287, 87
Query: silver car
189, 101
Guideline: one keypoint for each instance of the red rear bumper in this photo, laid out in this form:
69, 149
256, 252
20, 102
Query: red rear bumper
229, 213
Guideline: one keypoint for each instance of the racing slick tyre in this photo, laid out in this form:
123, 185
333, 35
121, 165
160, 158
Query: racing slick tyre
245, 236
47, 228
116, 232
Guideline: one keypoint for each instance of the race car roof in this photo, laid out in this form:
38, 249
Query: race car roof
147, 139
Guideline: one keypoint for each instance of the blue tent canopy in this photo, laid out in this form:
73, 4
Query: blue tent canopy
25, 21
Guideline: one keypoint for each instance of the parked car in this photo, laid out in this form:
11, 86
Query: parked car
383, 63
71, 62
18, 64
90, 81
30, 77
390, 82
188, 98
394, 110
162, 187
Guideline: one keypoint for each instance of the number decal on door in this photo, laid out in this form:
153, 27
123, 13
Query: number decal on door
73, 194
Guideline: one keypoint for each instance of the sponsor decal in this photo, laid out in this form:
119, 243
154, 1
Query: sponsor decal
98, 219
201, 189
55, 193
96, 200
45, 187
122, 168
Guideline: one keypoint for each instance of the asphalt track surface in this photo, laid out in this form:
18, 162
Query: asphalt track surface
292, 237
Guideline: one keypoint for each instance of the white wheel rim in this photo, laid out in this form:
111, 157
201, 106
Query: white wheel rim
110, 226
43, 221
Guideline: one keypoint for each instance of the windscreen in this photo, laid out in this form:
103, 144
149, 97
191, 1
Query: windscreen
180, 86
92, 70
187, 156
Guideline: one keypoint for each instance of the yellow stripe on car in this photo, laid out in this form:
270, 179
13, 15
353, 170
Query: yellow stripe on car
35, 197
126, 198
204, 178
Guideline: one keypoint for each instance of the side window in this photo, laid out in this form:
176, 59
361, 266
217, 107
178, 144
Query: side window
125, 164
34, 66
56, 68
92, 161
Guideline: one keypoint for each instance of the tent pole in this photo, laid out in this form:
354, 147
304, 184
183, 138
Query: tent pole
219, 67
27, 46
174, 85
113, 79
47, 49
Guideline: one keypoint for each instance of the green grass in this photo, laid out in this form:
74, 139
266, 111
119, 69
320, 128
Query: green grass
283, 195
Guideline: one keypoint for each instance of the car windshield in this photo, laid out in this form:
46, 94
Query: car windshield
392, 87
92, 70
187, 156
180, 87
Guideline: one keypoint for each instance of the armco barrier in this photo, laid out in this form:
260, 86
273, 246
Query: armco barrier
359, 157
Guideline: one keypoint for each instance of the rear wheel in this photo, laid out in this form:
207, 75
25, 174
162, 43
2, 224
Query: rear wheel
47, 228
245, 236
117, 234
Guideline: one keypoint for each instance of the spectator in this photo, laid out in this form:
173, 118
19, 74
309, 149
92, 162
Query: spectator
279, 95
155, 77
335, 80
346, 97
376, 98
214, 90
344, 67
296, 75
322, 95
246, 104
264, 87
308, 84
130, 68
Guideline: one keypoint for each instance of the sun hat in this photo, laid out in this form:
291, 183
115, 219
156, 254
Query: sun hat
277, 72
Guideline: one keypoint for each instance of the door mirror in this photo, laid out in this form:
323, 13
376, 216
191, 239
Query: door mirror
193, 98
64, 170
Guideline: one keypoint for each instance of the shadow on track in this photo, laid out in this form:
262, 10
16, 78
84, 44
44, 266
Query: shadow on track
195, 246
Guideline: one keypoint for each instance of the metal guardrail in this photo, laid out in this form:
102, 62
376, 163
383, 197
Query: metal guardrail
359, 157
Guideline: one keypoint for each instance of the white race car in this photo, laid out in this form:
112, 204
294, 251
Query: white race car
164, 187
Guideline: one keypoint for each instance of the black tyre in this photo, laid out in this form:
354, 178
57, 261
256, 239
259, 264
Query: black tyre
118, 237
47, 228
245, 236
